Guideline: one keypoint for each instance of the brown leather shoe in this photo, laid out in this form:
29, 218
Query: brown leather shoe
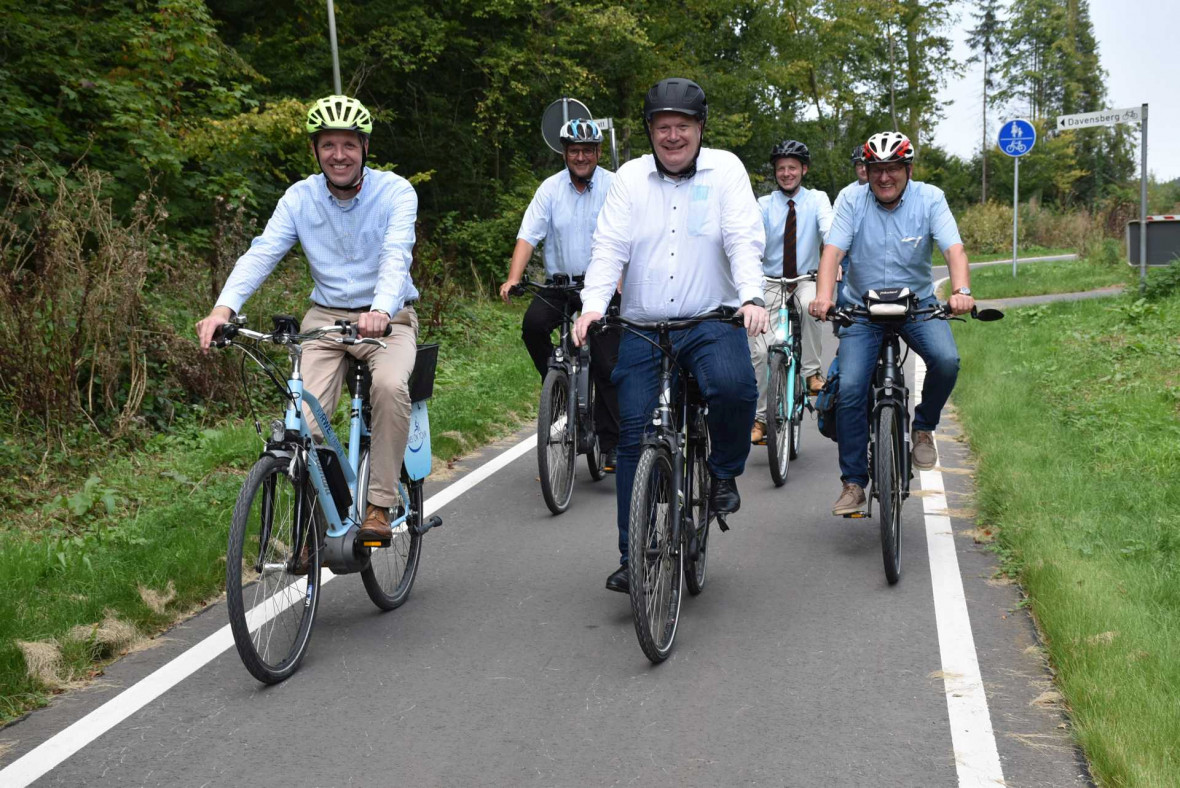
758, 434
922, 450
851, 500
375, 528
815, 383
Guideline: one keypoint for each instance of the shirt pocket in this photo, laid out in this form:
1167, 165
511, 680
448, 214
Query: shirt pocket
700, 216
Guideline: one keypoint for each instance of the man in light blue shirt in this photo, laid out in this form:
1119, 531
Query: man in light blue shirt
795, 219
888, 230
356, 228
861, 182
563, 214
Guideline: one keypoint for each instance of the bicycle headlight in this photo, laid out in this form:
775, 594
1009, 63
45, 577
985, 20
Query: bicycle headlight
278, 430
780, 333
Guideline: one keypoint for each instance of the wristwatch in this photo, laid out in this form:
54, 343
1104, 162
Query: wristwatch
961, 291
756, 302
382, 312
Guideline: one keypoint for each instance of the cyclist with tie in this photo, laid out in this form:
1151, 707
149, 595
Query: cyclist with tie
796, 219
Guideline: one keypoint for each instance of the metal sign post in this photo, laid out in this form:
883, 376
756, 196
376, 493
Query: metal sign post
1016, 138
608, 124
1114, 117
335, 53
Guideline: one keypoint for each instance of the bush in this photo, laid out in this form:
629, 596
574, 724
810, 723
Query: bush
1163, 282
987, 229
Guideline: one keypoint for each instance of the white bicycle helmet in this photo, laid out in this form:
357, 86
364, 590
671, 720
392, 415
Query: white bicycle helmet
889, 146
580, 130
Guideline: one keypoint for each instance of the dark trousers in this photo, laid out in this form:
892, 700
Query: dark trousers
719, 358
539, 321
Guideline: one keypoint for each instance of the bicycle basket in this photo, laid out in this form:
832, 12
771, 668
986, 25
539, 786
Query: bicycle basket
422, 378
889, 303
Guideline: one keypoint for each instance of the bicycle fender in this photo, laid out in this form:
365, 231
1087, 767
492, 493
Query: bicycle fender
417, 458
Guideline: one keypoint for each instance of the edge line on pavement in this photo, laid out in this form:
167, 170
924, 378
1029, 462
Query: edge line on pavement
977, 758
53, 751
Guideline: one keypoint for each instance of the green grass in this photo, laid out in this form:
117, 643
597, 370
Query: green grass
1073, 412
1061, 276
75, 563
1028, 251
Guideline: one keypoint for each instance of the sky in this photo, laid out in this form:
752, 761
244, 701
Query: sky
1136, 44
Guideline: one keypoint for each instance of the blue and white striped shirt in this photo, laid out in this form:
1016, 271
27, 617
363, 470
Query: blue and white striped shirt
360, 251
564, 219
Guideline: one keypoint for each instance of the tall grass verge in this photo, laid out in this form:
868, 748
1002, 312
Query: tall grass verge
1073, 411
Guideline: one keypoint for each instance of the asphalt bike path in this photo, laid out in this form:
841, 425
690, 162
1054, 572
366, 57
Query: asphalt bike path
512, 665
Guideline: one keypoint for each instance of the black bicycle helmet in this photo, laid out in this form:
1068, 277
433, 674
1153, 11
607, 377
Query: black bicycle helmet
676, 95
793, 149
858, 155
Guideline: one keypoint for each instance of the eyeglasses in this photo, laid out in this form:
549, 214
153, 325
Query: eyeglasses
581, 154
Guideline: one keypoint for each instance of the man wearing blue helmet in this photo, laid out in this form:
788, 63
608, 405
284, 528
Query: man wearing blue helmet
562, 215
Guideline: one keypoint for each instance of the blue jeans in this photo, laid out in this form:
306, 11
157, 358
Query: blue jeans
719, 358
859, 345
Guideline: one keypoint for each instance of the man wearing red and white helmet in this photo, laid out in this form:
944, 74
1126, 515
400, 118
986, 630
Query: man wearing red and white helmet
887, 229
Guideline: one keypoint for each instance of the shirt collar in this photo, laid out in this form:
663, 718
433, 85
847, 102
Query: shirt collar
357, 199
569, 179
705, 161
900, 202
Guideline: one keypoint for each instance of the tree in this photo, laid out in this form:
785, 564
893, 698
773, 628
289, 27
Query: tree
984, 40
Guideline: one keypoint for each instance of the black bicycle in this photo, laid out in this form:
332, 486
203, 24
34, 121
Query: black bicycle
669, 515
565, 417
890, 464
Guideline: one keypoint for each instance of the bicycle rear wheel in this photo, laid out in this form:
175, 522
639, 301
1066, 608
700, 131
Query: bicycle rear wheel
656, 569
391, 571
800, 403
778, 420
556, 442
694, 570
887, 478
595, 458
271, 605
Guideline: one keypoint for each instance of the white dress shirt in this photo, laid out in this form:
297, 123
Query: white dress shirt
683, 248
813, 217
564, 218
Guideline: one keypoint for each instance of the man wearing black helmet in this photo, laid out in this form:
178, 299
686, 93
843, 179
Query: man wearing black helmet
682, 227
796, 220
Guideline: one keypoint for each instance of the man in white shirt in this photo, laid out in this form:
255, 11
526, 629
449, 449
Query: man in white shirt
796, 220
682, 227
562, 214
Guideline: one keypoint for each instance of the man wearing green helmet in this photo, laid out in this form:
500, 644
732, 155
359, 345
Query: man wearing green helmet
356, 228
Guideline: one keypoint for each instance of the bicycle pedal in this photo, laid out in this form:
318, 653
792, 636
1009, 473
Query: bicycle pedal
434, 522
856, 516
376, 543
724, 526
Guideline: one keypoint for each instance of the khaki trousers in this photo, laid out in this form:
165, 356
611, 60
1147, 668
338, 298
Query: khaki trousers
811, 338
324, 368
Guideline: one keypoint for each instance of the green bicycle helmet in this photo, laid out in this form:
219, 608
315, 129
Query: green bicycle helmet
339, 113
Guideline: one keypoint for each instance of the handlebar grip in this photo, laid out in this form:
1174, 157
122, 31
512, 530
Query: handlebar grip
516, 290
388, 329
223, 334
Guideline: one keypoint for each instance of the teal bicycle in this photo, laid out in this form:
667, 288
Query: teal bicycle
786, 392
300, 506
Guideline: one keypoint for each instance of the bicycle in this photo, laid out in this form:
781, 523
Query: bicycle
786, 392
301, 504
565, 416
669, 515
890, 464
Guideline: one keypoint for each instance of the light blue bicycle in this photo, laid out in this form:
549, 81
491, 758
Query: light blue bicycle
786, 392
301, 505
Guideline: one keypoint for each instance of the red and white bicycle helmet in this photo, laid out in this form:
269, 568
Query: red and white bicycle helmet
889, 146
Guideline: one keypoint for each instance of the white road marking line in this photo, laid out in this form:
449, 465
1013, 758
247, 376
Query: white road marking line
977, 760
49, 754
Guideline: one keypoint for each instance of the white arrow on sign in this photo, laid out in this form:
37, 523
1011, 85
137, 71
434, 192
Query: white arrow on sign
1107, 117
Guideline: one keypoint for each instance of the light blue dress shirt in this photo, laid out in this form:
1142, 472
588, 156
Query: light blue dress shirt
813, 216
844, 195
892, 248
564, 219
359, 251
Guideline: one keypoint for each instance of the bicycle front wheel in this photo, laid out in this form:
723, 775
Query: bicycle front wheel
272, 576
556, 442
799, 394
887, 478
778, 420
595, 458
391, 571
656, 569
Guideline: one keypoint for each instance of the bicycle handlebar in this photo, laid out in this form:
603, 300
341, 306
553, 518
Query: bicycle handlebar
224, 335
562, 283
724, 315
783, 280
844, 316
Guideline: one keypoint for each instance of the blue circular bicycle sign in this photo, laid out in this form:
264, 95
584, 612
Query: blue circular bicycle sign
1017, 137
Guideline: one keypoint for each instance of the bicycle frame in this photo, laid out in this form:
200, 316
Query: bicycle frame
889, 390
787, 335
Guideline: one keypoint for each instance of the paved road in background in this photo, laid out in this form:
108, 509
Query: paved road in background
511, 665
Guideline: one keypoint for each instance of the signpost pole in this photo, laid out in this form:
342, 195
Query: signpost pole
1015, 208
335, 54
1143, 204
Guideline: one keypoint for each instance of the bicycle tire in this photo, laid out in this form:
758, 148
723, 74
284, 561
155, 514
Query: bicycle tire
556, 444
694, 570
595, 458
655, 565
391, 571
800, 395
887, 478
778, 420
271, 608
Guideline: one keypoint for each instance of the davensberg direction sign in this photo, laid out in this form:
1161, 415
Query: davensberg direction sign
1107, 117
